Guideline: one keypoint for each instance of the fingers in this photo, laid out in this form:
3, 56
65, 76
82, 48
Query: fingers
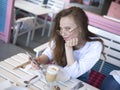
34, 64
72, 42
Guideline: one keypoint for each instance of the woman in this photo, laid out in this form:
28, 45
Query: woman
72, 46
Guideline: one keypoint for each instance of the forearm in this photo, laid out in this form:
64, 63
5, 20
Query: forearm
69, 55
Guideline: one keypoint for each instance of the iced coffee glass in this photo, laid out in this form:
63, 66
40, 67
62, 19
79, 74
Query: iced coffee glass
51, 74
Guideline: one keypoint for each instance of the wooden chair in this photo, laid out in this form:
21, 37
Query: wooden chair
112, 49
22, 26
112, 45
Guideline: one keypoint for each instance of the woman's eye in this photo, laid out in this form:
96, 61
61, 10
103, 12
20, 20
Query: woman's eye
67, 28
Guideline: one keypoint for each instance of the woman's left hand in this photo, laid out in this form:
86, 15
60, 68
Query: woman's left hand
72, 42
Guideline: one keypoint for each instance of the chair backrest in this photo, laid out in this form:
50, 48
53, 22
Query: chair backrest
22, 26
38, 2
56, 5
40, 48
112, 45
26, 23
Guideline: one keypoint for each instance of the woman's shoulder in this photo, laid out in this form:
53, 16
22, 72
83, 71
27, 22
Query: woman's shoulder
91, 45
94, 43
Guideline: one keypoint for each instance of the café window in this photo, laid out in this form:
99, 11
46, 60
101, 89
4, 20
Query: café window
96, 6
87, 2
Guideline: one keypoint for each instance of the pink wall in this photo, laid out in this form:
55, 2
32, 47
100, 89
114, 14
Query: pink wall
5, 36
104, 23
114, 10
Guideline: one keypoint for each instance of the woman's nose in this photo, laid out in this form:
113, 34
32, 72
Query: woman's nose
63, 33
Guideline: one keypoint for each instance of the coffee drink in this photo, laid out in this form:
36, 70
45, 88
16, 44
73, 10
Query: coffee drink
51, 73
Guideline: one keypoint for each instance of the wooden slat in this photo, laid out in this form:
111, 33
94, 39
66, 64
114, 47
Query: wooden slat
15, 63
2, 79
31, 87
111, 44
9, 68
23, 55
9, 75
104, 33
40, 85
106, 42
20, 59
113, 61
12, 66
12, 62
70, 84
112, 53
115, 46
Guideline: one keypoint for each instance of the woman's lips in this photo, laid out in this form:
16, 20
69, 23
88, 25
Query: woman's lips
65, 38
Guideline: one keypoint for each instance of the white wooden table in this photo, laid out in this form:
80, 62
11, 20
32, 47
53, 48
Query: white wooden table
7, 72
35, 10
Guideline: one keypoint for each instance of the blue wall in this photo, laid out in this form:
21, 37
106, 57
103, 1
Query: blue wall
3, 6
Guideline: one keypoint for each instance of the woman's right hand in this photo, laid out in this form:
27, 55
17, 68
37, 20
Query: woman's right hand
34, 63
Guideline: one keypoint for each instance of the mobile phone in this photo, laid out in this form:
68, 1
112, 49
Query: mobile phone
32, 59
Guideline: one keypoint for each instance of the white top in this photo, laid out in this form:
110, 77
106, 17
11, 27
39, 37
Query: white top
116, 75
86, 57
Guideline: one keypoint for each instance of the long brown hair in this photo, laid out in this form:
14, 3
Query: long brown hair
81, 20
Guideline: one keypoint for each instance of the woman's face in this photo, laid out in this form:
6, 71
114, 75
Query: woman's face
68, 28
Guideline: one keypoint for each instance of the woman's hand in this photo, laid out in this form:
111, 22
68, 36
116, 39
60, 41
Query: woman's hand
42, 59
72, 42
34, 63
